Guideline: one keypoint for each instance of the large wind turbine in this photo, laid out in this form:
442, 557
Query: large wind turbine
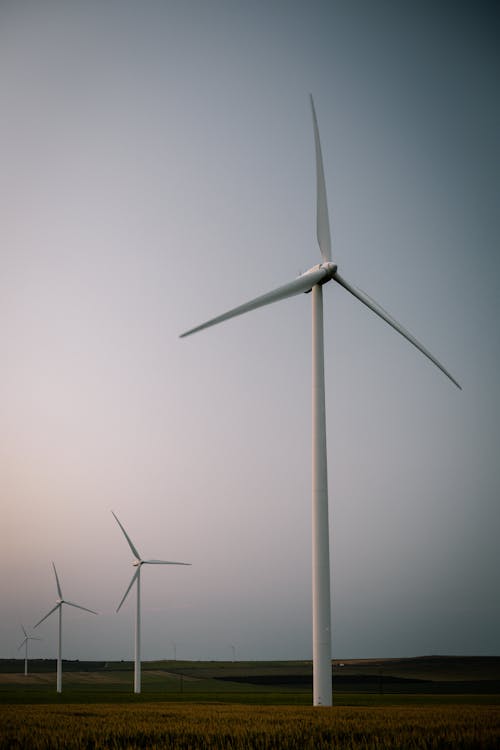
313, 281
25, 642
138, 563
59, 602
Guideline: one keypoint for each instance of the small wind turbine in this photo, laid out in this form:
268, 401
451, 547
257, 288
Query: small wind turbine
27, 638
59, 602
138, 563
313, 281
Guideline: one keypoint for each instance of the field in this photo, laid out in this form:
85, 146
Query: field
189, 726
415, 703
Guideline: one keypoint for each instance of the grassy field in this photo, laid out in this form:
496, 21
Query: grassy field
239, 727
412, 703
252, 682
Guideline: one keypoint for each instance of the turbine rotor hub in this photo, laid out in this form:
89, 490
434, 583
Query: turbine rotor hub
331, 270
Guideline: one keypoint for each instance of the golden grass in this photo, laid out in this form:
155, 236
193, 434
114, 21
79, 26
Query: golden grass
221, 726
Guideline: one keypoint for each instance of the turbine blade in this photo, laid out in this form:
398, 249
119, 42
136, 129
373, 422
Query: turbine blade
22, 644
322, 221
134, 551
47, 615
24, 631
164, 562
303, 284
378, 310
128, 589
57, 582
79, 606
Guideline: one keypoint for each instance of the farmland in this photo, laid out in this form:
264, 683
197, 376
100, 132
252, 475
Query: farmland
290, 682
167, 725
433, 702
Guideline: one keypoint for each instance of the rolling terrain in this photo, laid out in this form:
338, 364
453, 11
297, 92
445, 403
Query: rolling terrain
269, 681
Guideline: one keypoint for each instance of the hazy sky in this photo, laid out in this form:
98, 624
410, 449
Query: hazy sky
157, 169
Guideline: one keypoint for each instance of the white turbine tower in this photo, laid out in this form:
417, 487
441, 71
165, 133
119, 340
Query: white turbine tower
59, 604
138, 563
25, 642
312, 281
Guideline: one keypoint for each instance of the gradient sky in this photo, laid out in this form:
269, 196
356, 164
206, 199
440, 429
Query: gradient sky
157, 169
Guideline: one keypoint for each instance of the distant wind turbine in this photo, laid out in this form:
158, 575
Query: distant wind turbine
59, 602
25, 642
138, 563
313, 281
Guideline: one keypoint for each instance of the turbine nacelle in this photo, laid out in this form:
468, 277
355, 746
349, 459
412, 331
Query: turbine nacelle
329, 269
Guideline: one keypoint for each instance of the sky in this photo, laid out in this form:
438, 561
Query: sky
157, 170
